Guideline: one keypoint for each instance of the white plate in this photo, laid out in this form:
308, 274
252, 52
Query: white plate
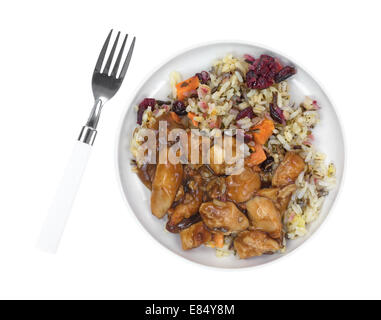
329, 139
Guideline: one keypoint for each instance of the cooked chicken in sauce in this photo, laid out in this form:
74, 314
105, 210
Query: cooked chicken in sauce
241, 187
284, 196
264, 216
195, 236
190, 202
165, 184
203, 203
224, 217
288, 170
254, 243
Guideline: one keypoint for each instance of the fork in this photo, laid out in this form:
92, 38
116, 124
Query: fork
104, 85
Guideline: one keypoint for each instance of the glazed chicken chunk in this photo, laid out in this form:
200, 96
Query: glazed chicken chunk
254, 243
288, 170
281, 197
271, 193
190, 202
241, 187
284, 197
224, 217
265, 216
195, 236
165, 184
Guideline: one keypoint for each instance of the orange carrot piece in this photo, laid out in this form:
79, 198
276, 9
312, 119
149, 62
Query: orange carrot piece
263, 131
175, 117
184, 87
218, 239
257, 157
191, 116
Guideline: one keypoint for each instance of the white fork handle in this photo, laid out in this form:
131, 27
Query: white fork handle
59, 211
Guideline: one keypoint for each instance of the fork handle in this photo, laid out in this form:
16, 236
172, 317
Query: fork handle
59, 211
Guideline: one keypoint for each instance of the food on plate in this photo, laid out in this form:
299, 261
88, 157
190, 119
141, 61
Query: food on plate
288, 170
223, 216
195, 236
253, 243
165, 184
240, 109
264, 216
241, 187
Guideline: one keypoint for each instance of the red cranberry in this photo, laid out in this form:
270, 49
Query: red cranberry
285, 73
248, 138
147, 102
248, 58
203, 76
247, 112
262, 72
277, 114
179, 108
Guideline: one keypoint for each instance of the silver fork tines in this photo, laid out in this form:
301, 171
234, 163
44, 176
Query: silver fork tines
102, 54
104, 84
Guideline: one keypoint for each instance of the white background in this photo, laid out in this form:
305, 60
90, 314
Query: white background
48, 51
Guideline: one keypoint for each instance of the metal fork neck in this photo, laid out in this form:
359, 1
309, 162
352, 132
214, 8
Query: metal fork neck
89, 132
92, 122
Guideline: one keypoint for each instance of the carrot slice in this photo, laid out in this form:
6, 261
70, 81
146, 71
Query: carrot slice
257, 157
191, 116
184, 87
263, 131
218, 239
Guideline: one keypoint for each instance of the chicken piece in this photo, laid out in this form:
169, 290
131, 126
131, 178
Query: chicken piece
165, 184
265, 216
219, 157
179, 193
223, 217
216, 188
190, 203
284, 197
288, 170
254, 243
195, 236
271, 193
241, 187
188, 207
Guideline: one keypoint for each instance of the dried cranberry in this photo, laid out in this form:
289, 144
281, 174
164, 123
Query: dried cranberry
248, 58
277, 114
285, 73
247, 112
262, 72
248, 138
147, 102
179, 108
203, 76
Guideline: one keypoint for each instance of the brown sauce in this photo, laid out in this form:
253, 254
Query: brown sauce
146, 173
